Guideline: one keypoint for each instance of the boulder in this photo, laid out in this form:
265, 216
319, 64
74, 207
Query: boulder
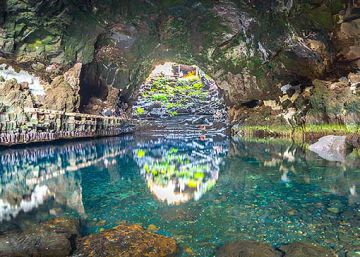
299, 249
127, 241
67, 86
53, 238
16, 96
331, 148
246, 249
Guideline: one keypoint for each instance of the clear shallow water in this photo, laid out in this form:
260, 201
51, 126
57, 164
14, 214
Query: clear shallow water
202, 193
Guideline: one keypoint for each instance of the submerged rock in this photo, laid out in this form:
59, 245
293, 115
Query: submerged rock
127, 241
246, 249
299, 249
331, 148
54, 238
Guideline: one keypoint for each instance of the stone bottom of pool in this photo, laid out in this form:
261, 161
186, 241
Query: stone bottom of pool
159, 196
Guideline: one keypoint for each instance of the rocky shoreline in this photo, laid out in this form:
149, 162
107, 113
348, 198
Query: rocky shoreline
61, 237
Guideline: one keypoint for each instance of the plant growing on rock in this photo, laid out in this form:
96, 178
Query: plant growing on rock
139, 111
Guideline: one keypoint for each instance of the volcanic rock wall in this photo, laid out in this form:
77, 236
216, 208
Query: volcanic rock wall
256, 51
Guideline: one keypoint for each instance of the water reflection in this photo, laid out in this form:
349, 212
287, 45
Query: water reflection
295, 164
29, 177
178, 171
203, 193
175, 171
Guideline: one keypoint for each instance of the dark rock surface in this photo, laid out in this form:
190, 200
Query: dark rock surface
300, 249
257, 249
247, 249
54, 238
353, 141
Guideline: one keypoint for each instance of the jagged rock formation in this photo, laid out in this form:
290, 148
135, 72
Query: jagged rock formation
63, 93
257, 52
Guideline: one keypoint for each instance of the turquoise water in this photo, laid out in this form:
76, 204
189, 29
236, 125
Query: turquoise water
203, 193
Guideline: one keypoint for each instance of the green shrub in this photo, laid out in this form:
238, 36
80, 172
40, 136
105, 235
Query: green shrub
198, 86
160, 97
353, 107
140, 111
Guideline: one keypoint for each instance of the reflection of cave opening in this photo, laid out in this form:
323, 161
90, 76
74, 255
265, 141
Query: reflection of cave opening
180, 171
179, 97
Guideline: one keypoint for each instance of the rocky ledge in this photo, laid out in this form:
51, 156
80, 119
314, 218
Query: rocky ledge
40, 125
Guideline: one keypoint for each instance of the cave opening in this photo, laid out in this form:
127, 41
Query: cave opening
178, 97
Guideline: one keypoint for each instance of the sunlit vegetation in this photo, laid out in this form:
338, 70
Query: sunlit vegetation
298, 133
139, 111
160, 97
172, 94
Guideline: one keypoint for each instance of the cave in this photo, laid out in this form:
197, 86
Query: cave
179, 128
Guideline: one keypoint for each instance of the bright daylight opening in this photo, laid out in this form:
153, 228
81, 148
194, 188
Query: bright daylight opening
177, 97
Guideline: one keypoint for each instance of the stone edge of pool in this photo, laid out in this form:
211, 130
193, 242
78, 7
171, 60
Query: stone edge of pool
35, 125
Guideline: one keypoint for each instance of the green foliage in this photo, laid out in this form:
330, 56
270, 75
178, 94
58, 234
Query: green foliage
139, 111
173, 113
174, 105
174, 94
173, 150
198, 86
353, 107
199, 175
160, 97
